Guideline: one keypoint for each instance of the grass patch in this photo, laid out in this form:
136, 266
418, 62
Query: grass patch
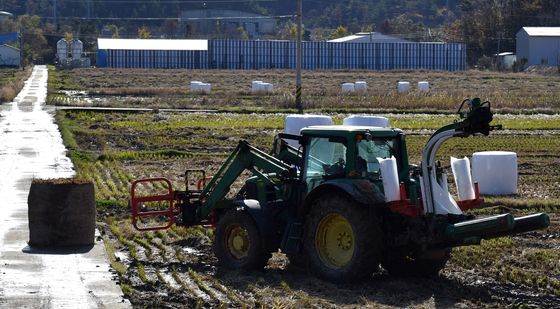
142, 273
503, 259
12, 81
118, 266
127, 290
201, 285
146, 155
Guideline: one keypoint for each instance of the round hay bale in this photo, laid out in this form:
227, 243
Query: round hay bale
61, 213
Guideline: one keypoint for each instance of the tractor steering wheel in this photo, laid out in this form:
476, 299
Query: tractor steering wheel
335, 169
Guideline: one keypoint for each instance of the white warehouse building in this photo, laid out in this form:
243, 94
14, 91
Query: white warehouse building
539, 45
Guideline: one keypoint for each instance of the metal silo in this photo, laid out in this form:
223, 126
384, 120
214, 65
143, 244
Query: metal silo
62, 50
77, 49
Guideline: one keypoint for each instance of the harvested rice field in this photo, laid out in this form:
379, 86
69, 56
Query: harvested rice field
177, 268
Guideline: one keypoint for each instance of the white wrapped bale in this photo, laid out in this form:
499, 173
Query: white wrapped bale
462, 173
495, 172
268, 87
257, 86
423, 86
348, 87
367, 121
200, 87
294, 124
195, 85
360, 86
390, 178
403, 87
205, 88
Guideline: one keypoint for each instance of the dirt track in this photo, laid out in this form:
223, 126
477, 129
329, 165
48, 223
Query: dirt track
30, 277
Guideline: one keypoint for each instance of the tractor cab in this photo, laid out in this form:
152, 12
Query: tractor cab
351, 152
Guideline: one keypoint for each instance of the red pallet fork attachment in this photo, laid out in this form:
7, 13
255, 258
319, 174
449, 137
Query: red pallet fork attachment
477, 202
137, 200
404, 206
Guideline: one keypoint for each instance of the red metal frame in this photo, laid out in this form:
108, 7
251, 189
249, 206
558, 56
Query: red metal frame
404, 206
201, 183
136, 201
477, 202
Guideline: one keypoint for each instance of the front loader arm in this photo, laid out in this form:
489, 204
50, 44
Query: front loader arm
244, 157
195, 206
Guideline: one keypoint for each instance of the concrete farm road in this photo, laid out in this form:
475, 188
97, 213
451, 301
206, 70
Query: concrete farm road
31, 147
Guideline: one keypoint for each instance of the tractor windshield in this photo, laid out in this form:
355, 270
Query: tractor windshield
369, 151
326, 159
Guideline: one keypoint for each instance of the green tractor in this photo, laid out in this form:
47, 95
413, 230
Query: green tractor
324, 204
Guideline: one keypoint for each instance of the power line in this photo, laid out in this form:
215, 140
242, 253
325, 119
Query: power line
169, 18
171, 1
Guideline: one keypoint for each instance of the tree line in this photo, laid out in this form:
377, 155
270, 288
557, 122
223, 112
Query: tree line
485, 26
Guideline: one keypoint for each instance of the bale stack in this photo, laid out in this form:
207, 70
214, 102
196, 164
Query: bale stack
368, 121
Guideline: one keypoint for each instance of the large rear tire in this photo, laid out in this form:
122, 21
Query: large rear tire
411, 266
238, 243
342, 239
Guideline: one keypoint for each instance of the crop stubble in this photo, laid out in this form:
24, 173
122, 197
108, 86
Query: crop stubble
177, 267
231, 90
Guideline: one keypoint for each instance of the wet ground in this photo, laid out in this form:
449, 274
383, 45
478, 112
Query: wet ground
177, 268
31, 147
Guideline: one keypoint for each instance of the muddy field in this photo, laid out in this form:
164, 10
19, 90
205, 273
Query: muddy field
231, 90
177, 268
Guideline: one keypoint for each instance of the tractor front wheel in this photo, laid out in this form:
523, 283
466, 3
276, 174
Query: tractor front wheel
342, 239
238, 243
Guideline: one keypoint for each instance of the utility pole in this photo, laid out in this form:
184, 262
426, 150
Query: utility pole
299, 105
54, 12
21, 60
88, 8
500, 35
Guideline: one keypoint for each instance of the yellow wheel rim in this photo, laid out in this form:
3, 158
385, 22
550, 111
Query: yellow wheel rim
334, 240
238, 242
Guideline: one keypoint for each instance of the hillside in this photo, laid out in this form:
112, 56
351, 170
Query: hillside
485, 26
330, 13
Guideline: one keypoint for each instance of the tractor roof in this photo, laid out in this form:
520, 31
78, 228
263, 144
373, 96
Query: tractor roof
350, 131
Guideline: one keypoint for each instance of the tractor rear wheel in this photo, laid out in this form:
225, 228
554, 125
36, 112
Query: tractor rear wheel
238, 243
411, 266
342, 239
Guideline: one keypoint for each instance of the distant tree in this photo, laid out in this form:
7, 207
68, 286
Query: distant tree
404, 26
243, 34
288, 31
114, 30
320, 34
8, 25
35, 48
169, 28
144, 32
340, 32
367, 28
490, 26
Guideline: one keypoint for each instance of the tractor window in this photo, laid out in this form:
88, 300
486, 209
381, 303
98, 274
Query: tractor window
369, 151
325, 159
